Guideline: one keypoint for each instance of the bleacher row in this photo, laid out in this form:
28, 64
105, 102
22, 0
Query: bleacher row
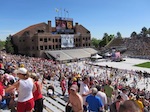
71, 53
56, 103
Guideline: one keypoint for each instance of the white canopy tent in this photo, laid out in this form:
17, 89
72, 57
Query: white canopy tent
96, 56
108, 54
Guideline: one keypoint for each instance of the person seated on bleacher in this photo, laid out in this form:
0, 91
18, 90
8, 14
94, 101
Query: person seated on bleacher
50, 90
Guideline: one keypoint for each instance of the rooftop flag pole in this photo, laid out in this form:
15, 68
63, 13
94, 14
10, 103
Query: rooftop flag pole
57, 11
61, 12
65, 13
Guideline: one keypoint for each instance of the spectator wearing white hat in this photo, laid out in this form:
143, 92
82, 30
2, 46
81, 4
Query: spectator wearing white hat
25, 87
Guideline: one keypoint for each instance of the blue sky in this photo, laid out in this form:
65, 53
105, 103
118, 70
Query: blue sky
98, 16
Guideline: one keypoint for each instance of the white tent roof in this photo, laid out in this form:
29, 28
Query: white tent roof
96, 56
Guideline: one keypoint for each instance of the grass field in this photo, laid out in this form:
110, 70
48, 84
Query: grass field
144, 65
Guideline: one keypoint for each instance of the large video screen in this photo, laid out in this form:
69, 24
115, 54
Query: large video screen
67, 41
64, 25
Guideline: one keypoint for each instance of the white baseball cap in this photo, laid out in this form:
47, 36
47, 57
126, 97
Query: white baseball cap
22, 71
2, 72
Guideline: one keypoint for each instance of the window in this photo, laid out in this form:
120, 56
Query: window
50, 47
41, 47
33, 55
40, 31
86, 38
45, 47
56, 40
49, 39
41, 39
56, 46
32, 47
45, 39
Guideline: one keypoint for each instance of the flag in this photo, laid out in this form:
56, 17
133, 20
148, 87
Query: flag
57, 10
67, 12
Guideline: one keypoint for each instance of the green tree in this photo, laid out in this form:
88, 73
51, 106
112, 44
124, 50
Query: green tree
105, 38
95, 42
133, 34
144, 32
119, 35
2, 45
111, 37
148, 32
9, 46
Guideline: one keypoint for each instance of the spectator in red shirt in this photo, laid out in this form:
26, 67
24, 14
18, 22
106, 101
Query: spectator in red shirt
63, 85
37, 94
2, 92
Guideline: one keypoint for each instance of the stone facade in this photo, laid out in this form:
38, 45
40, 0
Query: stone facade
35, 39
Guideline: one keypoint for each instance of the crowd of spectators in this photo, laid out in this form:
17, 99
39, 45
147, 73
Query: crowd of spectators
106, 89
138, 46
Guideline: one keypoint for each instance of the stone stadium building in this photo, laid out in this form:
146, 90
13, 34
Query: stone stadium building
60, 42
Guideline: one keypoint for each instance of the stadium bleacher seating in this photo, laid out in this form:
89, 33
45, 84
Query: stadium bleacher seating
57, 103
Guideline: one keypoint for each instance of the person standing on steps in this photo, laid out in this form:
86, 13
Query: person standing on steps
38, 97
25, 87
63, 85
